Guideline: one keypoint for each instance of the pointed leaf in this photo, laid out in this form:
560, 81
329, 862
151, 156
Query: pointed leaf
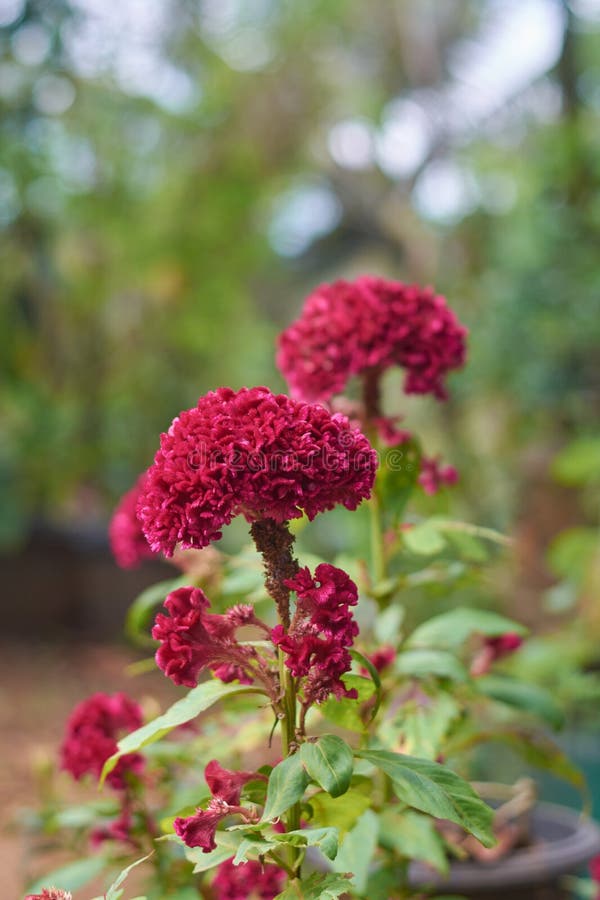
198, 699
434, 789
343, 812
316, 887
413, 836
326, 839
113, 893
329, 762
452, 629
424, 539
526, 697
425, 663
227, 845
358, 849
287, 783
72, 876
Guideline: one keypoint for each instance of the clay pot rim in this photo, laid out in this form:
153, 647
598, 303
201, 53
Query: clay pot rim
539, 864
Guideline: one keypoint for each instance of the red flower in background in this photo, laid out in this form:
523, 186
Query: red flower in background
348, 328
93, 729
127, 540
250, 453
50, 894
433, 475
493, 649
248, 880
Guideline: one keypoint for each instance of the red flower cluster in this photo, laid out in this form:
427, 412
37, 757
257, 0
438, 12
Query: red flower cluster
347, 328
322, 630
117, 830
250, 879
251, 453
226, 787
493, 649
383, 657
50, 894
433, 475
127, 540
93, 729
192, 639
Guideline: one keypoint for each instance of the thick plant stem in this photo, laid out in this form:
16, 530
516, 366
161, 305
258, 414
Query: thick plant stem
288, 746
274, 542
378, 560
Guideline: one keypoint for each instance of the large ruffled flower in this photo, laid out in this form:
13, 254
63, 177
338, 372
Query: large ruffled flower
250, 879
252, 453
347, 328
323, 629
93, 729
127, 540
192, 639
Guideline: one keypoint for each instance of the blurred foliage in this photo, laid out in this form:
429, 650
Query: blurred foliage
175, 177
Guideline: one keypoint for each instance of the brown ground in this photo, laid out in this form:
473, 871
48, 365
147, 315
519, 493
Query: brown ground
39, 685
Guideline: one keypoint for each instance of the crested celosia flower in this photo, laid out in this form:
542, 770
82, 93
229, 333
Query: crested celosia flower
433, 475
199, 830
350, 328
192, 639
250, 453
50, 894
493, 649
127, 540
321, 631
93, 729
248, 881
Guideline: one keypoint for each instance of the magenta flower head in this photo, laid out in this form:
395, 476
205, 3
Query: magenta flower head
193, 640
93, 729
250, 453
50, 894
127, 540
348, 328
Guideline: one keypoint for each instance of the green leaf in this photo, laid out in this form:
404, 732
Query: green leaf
468, 546
388, 624
72, 876
571, 554
358, 850
518, 694
199, 698
141, 610
316, 887
452, 629
434, 789
366, 663
342, 812
326, 839
425, 663
423, 539
329, 762
113, 893
347, 713
254, 844
420, 729
413, 836
227, 846
287, 783
579, 463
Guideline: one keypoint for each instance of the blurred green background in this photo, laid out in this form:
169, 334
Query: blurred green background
176, 175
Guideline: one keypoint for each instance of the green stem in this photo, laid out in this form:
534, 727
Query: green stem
378, 560
288, 740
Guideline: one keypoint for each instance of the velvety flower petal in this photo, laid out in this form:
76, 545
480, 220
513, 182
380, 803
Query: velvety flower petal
93, 729
127, 540
225, 784
347, 328
199, 830
250, 453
